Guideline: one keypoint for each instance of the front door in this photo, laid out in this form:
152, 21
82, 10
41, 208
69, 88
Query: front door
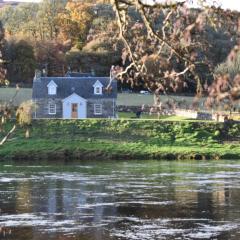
75, 107
74, 110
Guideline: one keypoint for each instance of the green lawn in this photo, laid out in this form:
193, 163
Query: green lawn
134, 99
131, 115
127, 99
24, 94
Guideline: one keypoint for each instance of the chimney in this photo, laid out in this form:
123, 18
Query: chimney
44, 72
93, 72
37, 76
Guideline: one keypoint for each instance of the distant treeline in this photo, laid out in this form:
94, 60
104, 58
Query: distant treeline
61, 35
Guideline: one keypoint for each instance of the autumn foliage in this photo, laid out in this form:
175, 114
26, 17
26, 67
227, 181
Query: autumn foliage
75, 21
171, 47
165, 47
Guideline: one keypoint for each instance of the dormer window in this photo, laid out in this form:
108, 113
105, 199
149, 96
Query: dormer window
98, 90
52, 88
98, 87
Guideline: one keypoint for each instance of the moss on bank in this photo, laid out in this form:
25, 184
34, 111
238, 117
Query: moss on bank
124, 139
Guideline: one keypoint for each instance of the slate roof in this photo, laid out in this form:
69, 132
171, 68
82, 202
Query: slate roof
77, 74
83, 86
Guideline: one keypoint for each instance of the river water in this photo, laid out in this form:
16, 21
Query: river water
133, 200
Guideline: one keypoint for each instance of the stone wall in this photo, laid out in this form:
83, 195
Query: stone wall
178, 112
194, 114
108, 108
204, 116
42, 110
186, 113
123, 108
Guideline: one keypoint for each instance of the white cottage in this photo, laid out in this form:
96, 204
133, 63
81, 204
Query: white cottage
75, 96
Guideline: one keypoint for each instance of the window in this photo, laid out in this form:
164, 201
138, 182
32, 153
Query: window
52, 109
52, 88
97, 90
98, 109
98, 87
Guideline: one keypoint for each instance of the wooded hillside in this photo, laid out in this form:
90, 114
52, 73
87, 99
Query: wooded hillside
59, 35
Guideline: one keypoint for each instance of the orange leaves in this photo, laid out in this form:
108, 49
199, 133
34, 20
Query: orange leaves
78, 11
75, 20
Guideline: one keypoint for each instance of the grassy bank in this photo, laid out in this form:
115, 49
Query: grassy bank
124, 139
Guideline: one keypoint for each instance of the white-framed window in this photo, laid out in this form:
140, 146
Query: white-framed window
52, 88
51, 109
98, 88
97, 109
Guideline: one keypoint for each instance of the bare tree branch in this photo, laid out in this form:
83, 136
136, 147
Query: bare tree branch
8, 135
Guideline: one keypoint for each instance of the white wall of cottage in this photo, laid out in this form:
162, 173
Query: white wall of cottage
67, 106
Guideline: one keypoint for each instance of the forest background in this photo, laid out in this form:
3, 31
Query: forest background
61, 35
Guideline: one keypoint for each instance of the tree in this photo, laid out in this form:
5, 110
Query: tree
50, 55
86, 61
7, 109
75, 21
20, 20
167, 45
21, 62
225, 90
34, 20
231, 66
48, 18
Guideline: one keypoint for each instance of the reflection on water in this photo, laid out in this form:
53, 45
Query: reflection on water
120, 200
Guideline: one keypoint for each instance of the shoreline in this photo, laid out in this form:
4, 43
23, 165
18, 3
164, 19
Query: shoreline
103, 139
104, 156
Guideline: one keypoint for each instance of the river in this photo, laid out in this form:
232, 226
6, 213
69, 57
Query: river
133, 200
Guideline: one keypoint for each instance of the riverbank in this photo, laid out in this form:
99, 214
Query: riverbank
124, 139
